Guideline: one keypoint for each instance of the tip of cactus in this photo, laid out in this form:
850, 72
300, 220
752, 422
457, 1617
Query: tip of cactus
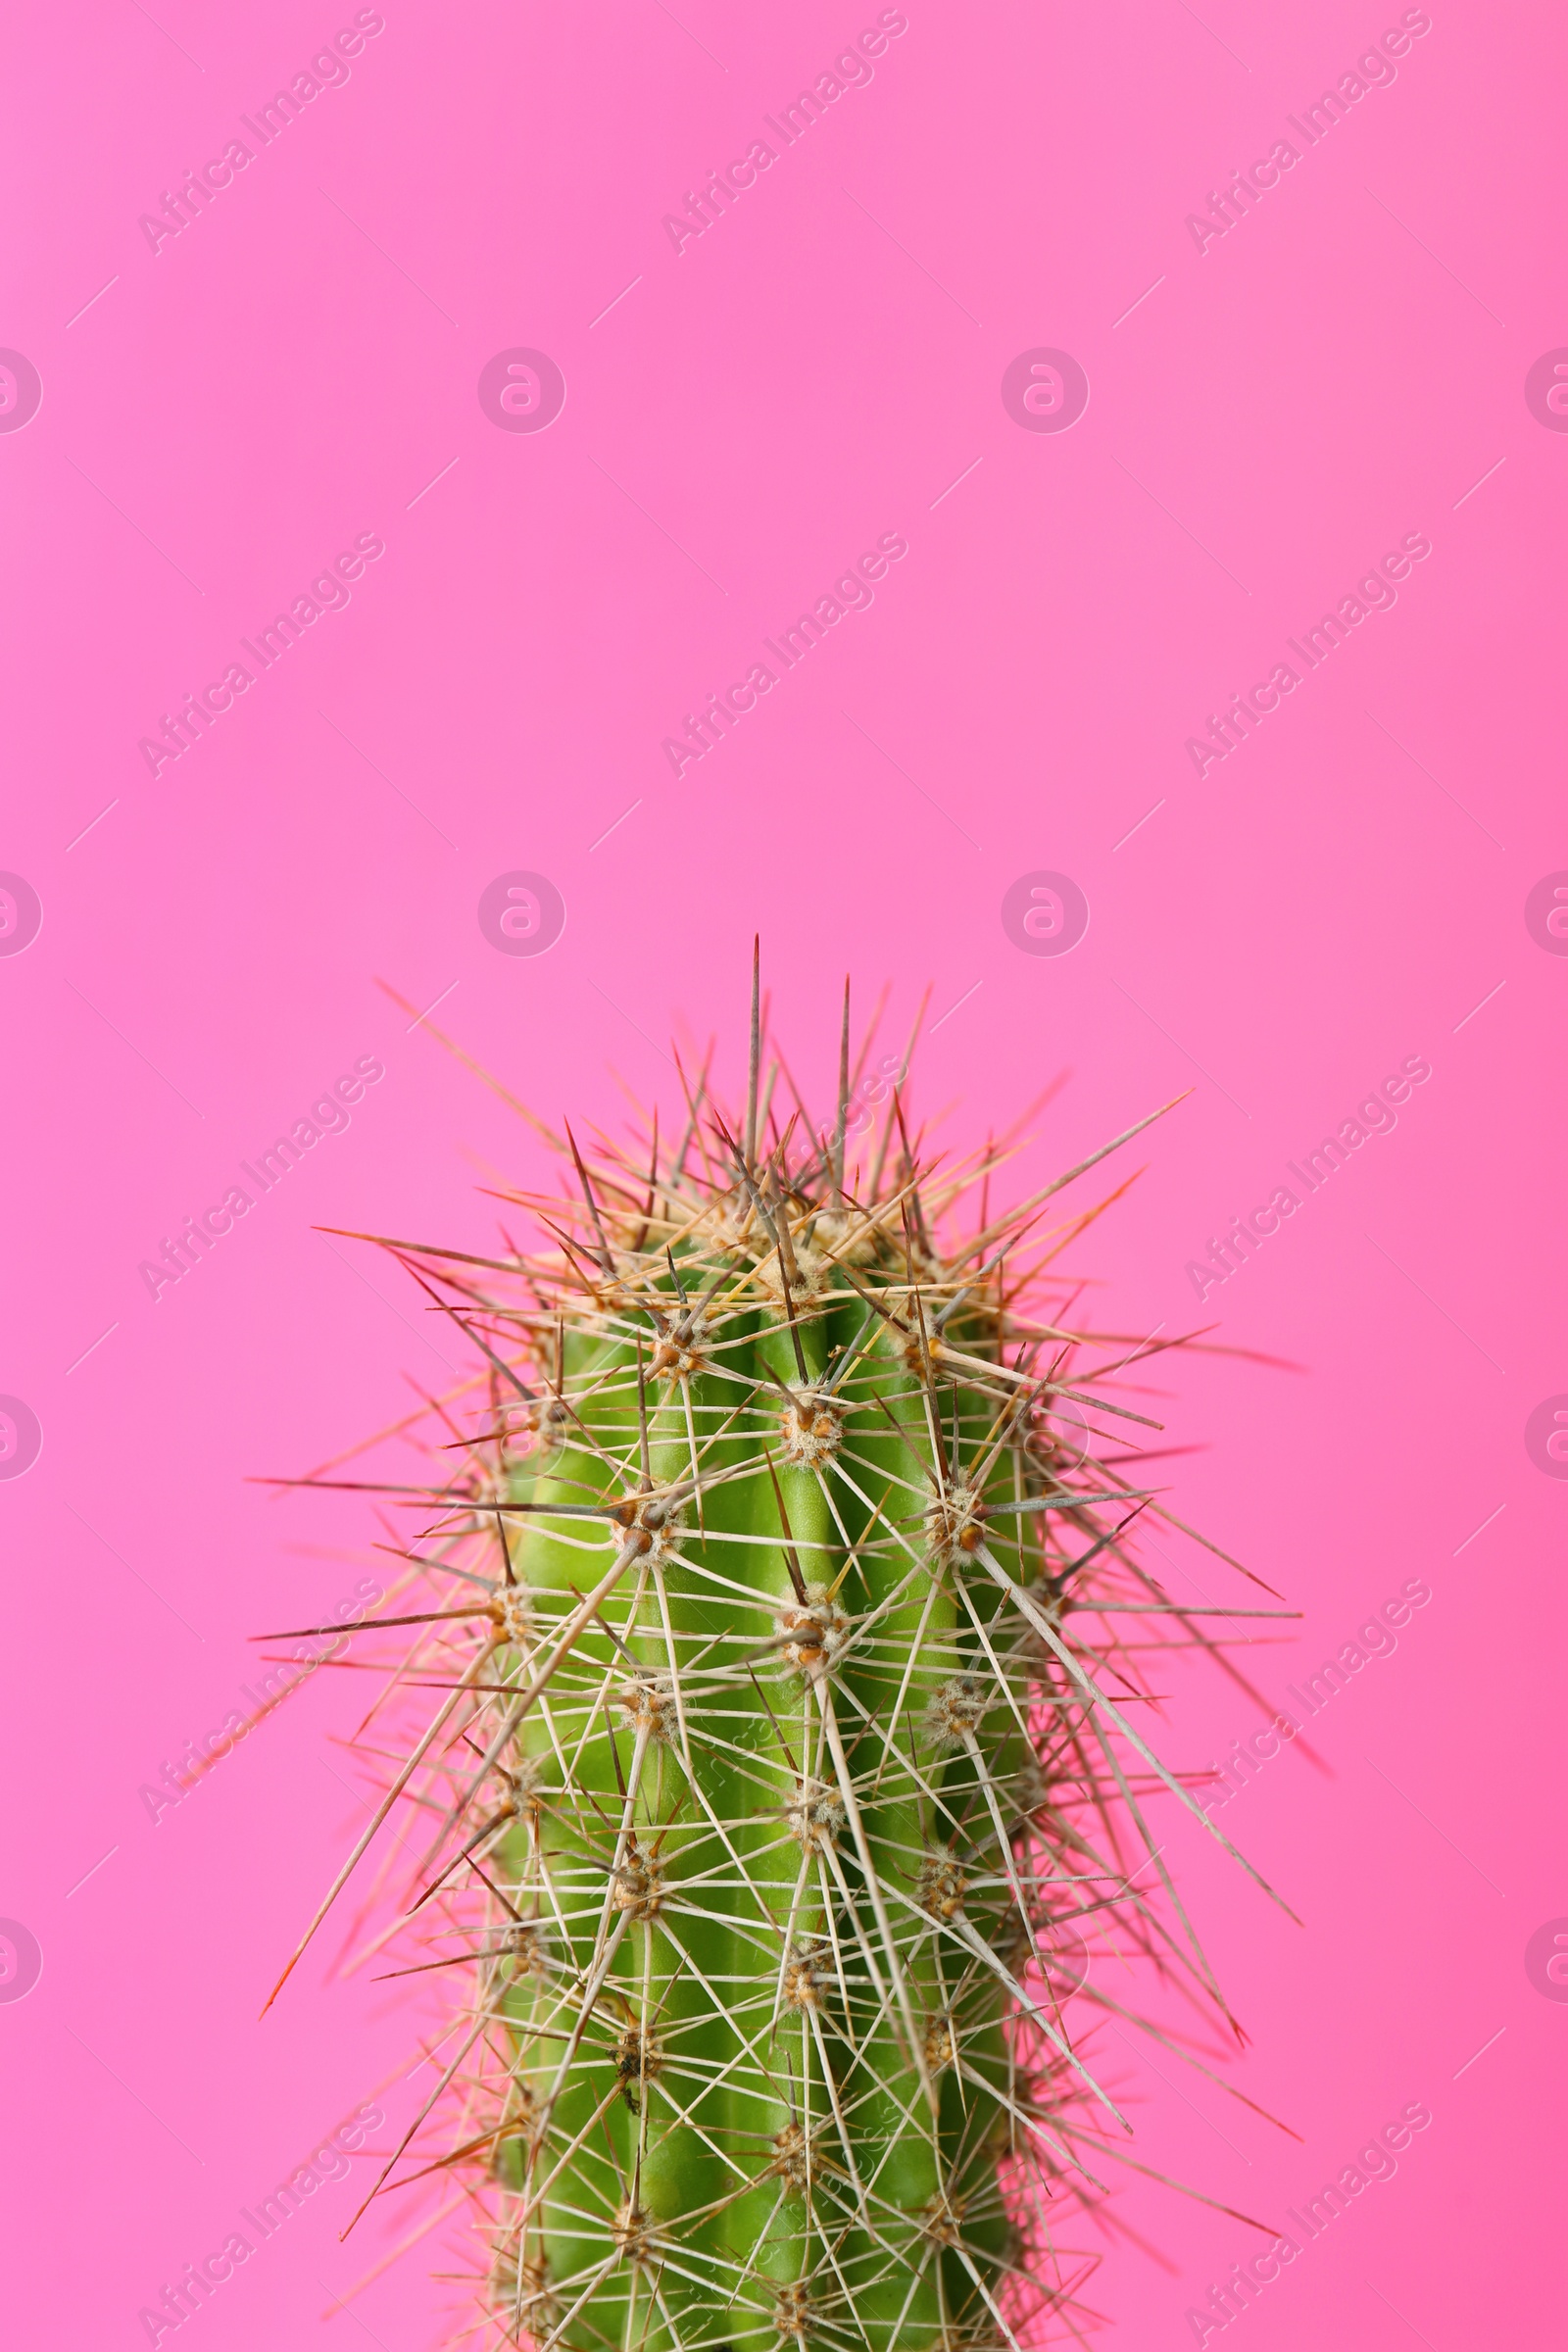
776, 1582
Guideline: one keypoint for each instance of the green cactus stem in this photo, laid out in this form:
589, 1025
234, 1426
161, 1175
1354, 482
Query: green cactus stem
779, 1582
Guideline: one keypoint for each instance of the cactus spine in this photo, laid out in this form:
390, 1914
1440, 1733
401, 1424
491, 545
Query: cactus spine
784, 1766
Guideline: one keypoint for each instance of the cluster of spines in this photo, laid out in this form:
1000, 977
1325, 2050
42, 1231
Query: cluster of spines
784, 1769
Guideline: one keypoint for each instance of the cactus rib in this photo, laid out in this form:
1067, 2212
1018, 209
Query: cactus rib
780, 1578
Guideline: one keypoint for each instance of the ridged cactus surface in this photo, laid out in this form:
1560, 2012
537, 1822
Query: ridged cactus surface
785, 1754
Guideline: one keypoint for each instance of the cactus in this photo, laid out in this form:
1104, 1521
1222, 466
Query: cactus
788, 1636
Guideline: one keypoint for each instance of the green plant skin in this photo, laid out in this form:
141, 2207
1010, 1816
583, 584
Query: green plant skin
760, 1839
731, 2232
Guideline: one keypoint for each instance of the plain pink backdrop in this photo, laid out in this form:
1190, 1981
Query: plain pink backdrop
1345, 367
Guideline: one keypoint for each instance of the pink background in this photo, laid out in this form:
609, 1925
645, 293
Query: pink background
821, 366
